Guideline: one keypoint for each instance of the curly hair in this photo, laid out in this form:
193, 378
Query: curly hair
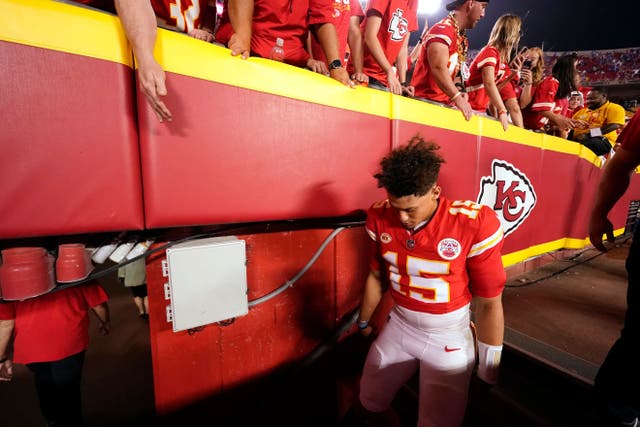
410, 170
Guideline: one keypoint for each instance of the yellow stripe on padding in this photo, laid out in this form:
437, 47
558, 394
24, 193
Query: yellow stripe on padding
429, 114
543, 248
181, 54
65, 28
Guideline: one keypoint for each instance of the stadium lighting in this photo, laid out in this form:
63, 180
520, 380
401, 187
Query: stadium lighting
429, 7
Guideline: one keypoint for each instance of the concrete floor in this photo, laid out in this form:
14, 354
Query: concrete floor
564, 311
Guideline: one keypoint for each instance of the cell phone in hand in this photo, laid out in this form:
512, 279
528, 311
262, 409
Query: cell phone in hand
526, 64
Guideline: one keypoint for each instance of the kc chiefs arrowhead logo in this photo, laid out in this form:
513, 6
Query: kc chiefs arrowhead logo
398, 26
509, 193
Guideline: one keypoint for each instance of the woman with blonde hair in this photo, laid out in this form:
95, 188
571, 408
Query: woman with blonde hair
491, 66
531, 74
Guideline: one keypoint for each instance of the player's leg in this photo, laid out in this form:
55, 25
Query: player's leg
445, 372
387, 368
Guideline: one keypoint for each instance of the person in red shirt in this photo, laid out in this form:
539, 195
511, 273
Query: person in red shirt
550, 97
51, 335
139, 19
436, 255
491, 66
248, 27
618, 377
440, 70
386, 38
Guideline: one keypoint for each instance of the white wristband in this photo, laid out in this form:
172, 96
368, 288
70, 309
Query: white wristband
489, 362
595, 132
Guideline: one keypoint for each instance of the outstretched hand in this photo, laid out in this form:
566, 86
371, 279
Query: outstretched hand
152, 82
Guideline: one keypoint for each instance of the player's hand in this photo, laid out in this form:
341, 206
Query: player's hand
599, 225
6, 370
341, 75
203, 35
152, 82
461, 102
366, 332
240, 45
317, 66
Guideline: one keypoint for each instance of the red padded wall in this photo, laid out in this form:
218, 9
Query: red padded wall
279, 331
233, 155
69, 158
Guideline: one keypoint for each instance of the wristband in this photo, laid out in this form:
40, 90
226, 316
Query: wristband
488, 362
363, 324
455, 96
502, 112
595, 132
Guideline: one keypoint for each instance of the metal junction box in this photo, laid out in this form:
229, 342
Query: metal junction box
207, 281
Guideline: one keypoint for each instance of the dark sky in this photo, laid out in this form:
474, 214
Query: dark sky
562, 25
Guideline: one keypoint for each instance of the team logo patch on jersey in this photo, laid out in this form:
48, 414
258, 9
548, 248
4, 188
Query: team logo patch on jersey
449, 248
385, 238
509, 193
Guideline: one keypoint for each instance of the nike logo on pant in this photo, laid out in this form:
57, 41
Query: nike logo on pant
450, 349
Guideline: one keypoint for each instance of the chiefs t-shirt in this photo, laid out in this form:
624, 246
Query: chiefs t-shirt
399, 18
440, 267
52, 326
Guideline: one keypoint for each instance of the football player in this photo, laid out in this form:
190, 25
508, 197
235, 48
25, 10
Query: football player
437, 255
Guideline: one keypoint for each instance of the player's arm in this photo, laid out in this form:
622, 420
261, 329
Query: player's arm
438, 55
6, 365
370, 300
139, 23
489, 318
614, 183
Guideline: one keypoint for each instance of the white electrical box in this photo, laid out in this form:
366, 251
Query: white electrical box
207, 281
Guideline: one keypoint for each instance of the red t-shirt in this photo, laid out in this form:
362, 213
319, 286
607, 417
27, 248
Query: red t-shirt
454, 257
52, 326
341, 17
629, 138
399, 18
423, 81
285, 19
544, 99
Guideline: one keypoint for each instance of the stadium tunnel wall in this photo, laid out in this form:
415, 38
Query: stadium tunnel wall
251, 140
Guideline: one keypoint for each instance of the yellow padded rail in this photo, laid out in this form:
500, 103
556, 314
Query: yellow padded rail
65, 28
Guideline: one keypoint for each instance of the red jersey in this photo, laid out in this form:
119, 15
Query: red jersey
286, 19
183, 14
544, 99
52, 326
438, 268
423, 81
341, 17
399, 18
629, 138
488, 56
